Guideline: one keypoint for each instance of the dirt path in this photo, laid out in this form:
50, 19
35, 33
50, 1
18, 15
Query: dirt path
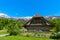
1, 35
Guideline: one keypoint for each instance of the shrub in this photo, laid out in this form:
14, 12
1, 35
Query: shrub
55, 36
27, 35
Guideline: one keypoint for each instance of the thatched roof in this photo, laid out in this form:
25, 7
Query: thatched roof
40, 19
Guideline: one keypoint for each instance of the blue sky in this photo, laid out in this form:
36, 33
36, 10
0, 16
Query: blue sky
20, 8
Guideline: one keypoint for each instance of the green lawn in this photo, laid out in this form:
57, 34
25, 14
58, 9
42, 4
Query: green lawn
22, 38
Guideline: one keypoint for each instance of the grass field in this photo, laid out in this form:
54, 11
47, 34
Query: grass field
19, 37
22, 38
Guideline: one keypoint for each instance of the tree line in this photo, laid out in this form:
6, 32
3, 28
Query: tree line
12, 26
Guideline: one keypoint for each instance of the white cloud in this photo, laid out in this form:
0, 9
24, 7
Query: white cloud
4, 15
23, 17
26, 17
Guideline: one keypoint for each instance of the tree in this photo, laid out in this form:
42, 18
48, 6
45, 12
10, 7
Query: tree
56, 23
14, 27
57, 30
3, 23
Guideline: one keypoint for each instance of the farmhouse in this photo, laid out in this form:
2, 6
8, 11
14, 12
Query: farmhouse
39, 24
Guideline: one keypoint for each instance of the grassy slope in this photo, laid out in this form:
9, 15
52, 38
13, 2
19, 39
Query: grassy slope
22, 38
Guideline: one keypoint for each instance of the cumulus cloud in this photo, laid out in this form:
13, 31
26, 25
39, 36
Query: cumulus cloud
4, 15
